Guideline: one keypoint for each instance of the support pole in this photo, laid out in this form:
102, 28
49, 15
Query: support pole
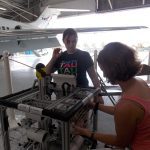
95, 60
110, 4
4, 128
7, 72
8, 82
65, 131
95, 118
143, 2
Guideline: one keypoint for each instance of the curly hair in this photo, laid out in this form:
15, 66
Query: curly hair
69, 32
119, 62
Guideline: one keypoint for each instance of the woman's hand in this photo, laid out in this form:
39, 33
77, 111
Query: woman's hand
100, 100
96, 103
91, 104
77, 130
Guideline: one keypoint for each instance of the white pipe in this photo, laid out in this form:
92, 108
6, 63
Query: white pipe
110, 4
8, 82
143, 2
7, 72
97, 3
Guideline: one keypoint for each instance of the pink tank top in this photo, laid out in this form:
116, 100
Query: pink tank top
142, 134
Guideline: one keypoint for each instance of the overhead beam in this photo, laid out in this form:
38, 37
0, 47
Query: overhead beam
109, 5
16, 7
20, 15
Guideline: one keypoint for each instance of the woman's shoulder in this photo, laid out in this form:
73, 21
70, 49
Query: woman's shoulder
142, 89
123, 103
128, 107
137, 88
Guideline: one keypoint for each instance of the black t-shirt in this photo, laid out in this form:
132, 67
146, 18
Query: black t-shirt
75, 64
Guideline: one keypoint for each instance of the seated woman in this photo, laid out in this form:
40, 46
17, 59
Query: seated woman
132, 112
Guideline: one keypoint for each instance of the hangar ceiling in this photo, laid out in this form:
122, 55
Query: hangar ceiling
29, 10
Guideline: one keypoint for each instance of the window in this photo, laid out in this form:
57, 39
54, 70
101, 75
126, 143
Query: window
3, 28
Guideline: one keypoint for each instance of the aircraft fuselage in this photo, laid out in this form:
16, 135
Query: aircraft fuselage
6, 24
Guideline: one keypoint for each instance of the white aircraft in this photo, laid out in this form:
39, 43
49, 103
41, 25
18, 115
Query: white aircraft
11, 31
32, 36
47, 16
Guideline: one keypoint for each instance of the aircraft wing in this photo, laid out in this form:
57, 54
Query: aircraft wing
21, 40
18, 41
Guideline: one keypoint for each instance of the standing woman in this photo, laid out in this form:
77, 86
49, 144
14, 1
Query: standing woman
132, 112
73, 61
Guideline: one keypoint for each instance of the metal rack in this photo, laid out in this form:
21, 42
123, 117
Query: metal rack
63, 110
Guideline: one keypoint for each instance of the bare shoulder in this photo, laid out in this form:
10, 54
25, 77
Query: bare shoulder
140, 89
124, 106
129, 109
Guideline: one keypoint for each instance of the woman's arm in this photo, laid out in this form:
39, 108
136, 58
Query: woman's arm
105, 138
99, 104
126, 117
106, 109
